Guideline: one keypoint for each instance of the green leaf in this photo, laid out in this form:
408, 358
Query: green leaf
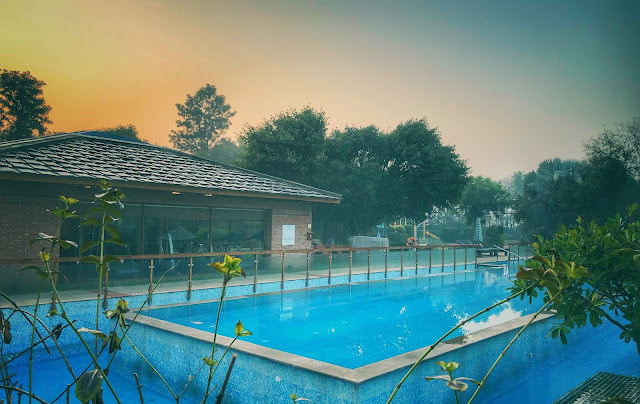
90, 259
88, 385
210, 362
66, 244
57, 331
438, 377
457, 385
112, 258
88, 245
52, 312
115, 241
113, 231
97, 333
114, 342
91, 222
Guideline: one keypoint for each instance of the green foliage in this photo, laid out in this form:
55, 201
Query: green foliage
224, 151
289, 145
610, 287
229, 268
622, 142
126, 131
423, 173
23, 111
548, 197
494, 235
88, 385
482, 196
204, 117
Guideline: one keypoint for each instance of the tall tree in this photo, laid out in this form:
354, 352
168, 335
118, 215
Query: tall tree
23, 110
425, 174
483, 196
204, 118
355, 168
289, 145
621, 142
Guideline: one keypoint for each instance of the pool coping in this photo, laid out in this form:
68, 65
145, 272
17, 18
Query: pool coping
357, 375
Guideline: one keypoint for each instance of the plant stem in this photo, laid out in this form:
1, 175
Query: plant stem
77, 333
460, 324
456, 394
151, 366
33, 334
504, 351
213, 346
104, 214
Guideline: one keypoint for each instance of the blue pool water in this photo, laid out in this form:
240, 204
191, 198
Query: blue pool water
355, 325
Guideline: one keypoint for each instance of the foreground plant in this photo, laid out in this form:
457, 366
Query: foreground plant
611, 252
457, 384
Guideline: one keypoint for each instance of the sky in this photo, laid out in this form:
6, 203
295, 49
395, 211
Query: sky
508, 83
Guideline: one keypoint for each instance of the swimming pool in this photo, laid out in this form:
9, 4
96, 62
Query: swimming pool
356, 325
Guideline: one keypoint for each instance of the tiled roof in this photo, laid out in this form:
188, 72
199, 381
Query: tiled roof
94, 155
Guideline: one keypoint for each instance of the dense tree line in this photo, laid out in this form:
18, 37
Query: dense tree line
381, 176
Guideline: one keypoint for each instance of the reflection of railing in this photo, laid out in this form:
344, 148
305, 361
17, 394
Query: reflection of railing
523, 250
323, 265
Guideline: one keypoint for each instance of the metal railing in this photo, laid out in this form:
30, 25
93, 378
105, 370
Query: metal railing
270, 265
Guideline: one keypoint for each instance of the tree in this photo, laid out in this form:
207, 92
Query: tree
23, 110
621, 142
607, 187
225, 151
126, 131
204, 118
548, 197
289, 145
423, 173
355, 162
483, 196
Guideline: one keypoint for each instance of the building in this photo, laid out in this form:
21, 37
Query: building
175, 202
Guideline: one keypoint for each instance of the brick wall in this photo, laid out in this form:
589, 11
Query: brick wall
21, 219
300, 217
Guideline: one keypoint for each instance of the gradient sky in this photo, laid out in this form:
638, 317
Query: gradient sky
509, 83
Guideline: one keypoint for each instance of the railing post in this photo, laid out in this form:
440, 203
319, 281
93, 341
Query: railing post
150, 280
282, 281
465, 258
386, 265
306, 281
368, 264
455, 250
442, 260
106, 288
416, 260
330, 260
190, 278
350, 263
430, 251
255, 273
401, 261
519, 250
476, 259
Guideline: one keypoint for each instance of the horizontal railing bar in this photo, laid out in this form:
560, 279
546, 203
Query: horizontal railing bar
13, 261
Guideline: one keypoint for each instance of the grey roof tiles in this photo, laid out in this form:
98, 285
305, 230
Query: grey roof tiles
94, 155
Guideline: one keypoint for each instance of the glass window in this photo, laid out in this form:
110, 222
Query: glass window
129, 227
237, 229
175, 229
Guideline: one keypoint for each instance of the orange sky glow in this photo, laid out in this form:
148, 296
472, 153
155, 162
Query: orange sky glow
506, 88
